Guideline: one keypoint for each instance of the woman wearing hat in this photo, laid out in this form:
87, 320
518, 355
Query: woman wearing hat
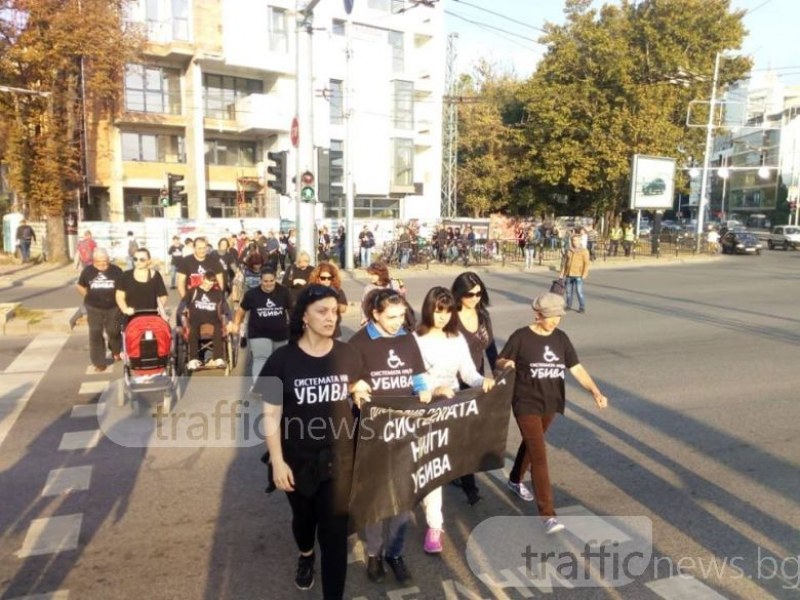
541, 354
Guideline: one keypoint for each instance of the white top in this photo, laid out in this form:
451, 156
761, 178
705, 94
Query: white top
445, 359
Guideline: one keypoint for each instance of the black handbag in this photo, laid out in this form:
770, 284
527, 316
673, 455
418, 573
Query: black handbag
559, 286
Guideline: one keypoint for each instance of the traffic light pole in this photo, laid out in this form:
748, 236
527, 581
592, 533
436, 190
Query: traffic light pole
304, 216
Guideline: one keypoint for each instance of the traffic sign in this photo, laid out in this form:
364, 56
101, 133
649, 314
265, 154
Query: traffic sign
294, 132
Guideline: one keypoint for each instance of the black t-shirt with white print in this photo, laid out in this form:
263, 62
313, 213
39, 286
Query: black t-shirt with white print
390, 363
541, 364
195, 269
269, 313
204, 306
315, 396
102, 286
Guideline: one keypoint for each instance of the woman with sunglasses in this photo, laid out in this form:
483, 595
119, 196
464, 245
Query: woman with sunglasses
394, 368
447, 361
301, 433
141, 288
327, 274
475, 324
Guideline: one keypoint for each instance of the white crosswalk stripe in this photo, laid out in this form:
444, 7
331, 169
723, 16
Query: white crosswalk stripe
51, 535
87, 410
70, 479
80, 440
59, 595
683, 587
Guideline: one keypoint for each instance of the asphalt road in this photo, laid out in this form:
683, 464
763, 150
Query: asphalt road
699, 363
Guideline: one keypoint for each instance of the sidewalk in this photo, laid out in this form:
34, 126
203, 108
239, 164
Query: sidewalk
16, 319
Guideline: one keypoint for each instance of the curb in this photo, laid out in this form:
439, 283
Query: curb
60, 320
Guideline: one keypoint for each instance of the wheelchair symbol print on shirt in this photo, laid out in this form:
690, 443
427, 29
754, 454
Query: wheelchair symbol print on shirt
549, 355
394, 361
549, 369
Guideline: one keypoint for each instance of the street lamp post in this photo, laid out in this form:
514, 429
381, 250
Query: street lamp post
701, 204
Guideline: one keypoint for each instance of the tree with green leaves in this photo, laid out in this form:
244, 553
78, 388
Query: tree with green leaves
617, 81
69, 57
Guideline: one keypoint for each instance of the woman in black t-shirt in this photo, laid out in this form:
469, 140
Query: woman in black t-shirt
141, 288
310, 463
298, 275
475, 324
393, 366
541, 355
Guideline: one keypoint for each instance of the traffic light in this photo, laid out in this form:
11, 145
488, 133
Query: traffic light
277, 169
307, 193
175, 188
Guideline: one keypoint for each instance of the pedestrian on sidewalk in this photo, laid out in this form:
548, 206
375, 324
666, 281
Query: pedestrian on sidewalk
133, 246
25, 237
175, 252
97, 285
84, 251
541, 354
575, 270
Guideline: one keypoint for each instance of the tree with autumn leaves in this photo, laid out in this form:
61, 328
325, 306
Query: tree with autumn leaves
61, 52
615, 81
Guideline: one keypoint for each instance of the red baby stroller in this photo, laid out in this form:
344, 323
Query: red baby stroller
148, 368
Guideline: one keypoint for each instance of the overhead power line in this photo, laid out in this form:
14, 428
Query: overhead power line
496, 30
502, 16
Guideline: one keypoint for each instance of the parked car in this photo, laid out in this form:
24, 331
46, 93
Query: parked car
784, 236
740, 242
657, 186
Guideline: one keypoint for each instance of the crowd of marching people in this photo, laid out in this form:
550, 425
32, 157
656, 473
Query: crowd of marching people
293, 311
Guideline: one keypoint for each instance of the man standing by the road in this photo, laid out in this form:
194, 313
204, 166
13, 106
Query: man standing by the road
195, 266
576, 269
25, 236
97, 286
366, 240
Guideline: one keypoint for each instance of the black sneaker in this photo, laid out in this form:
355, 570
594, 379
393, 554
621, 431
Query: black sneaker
304, 580
473, 497
398, 568
375, 570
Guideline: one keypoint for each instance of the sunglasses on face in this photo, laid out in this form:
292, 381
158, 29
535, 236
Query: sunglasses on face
472, 295
140, 259
325, 278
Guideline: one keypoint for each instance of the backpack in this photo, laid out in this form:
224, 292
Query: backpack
85, 252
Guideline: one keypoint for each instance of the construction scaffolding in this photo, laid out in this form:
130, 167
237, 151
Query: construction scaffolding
250, 199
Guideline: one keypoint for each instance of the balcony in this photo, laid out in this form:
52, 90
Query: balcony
168, 39
255, 114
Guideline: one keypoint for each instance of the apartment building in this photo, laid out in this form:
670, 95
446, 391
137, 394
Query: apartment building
215, 91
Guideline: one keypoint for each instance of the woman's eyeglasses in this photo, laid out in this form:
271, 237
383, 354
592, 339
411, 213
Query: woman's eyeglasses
140, 259
472, 295
325, 278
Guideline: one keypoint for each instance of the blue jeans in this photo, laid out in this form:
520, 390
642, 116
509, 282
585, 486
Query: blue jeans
260, 351
25, 250
388, 535
365, 256
575, 285
530, 255
405, 253
173, 269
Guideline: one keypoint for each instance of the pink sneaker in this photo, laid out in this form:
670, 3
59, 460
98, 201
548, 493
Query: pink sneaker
433, 541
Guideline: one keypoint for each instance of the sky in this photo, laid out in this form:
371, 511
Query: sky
771, 41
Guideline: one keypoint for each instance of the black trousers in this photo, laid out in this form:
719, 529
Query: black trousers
103, 320
315, 517
194, 338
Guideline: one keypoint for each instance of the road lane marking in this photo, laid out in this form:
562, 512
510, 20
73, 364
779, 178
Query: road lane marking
93, 387
59, 595
70, 479
590, 531
683, 587
15, 391
87, 410
51, 535
38, 355
80, 440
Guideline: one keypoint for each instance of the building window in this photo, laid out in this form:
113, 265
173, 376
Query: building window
337, 27
278, 30
403, 105
220, 93
336, 100
149, 147
166, 20
231, 153
180, 20
403, 162
152, 90
398, 54
376, 208
335, 208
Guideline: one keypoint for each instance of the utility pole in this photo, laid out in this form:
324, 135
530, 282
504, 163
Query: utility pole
304, 105
701, 204
349, 191
450, 151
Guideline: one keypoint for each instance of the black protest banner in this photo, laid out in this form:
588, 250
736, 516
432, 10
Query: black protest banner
406, 450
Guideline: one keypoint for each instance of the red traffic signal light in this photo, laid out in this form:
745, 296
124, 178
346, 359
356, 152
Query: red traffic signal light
307, 178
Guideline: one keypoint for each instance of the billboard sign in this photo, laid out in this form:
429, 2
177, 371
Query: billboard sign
652, 182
